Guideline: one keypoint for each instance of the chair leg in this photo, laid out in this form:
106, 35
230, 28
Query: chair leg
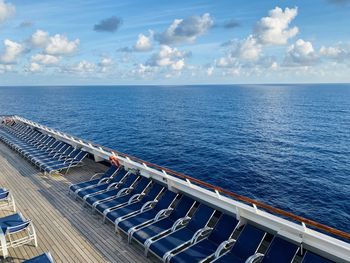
3, 245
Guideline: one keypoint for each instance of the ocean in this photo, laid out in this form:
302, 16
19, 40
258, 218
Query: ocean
285, 145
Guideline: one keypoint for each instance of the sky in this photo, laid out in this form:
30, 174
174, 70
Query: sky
173, 42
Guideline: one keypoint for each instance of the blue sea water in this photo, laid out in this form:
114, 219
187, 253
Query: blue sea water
286, 145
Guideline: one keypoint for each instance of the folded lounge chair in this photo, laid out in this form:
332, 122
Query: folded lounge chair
43, 258
6, 199
116, 190
161, 209
222, 231
145, 203
9, 226
105, 178
190, 234
96, 189
248, 242
163, 225
280, 250
132, 196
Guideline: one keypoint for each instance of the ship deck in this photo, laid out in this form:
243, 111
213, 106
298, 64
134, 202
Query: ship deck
70, 232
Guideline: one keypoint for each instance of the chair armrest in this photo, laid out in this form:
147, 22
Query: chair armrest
147, 204
200, 232
103, 180
96, 174
223, 246
134, 197
112, 185
163, 212
180, 222
252, 258
124, 191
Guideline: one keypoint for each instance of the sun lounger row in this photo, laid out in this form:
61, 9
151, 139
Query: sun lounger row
176, 228
44, 151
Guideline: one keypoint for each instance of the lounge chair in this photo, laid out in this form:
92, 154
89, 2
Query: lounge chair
132, 196
117, 179
206, 247
280, 250
149, 199
43, 258
10, 226
193, 231
248, 242
104, 178
163, 226
310, 257
6, 199
161, 209
117, 190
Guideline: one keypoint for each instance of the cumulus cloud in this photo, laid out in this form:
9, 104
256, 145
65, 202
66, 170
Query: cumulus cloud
301, 53
82, 67
40, 38
110, 24
6, 10
54, 45
339, 53
143, 43
168, 57
105, 64
274, 29
5, 68
210, 71
240, 51
249, 49
186, 30
34, 68
60, 45
11, 52
45, 59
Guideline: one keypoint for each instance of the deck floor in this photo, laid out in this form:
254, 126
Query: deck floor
66, 229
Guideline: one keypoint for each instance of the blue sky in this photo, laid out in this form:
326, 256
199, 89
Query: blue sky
173, 42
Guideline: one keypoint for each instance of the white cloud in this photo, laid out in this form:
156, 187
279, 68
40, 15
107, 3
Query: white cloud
83, 67
54, 45
105, 62
168, 57
35, 67
210, 71
5, 68
339, 53
274, 29
12, 51
186, 30
301, 53
40, 38
178, 65
6, 10
45, 59
143, 43
248, 49
60, 45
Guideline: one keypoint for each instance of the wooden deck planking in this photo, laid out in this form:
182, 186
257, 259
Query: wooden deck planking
66, 229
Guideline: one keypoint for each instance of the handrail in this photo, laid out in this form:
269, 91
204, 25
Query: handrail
245, 199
